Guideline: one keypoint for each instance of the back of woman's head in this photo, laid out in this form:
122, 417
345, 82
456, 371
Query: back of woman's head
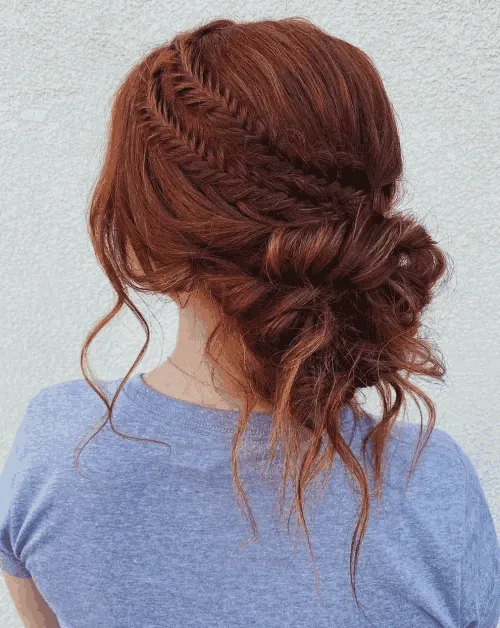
260, 164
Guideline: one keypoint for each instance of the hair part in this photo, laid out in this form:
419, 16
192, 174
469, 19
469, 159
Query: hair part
260, 163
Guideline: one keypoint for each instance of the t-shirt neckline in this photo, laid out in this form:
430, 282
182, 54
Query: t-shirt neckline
196, 415
190, 412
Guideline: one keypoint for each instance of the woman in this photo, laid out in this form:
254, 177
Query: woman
252, 175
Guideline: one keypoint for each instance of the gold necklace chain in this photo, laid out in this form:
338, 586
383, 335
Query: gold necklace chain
188, 374
185, 373
196, 379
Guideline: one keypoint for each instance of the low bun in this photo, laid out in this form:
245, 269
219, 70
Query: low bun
374, 275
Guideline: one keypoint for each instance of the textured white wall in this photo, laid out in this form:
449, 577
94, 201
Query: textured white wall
61, 62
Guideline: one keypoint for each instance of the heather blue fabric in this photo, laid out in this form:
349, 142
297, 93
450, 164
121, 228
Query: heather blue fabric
153, 536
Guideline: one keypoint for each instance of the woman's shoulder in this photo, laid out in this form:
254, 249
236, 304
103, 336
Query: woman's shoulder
72, 390
59, 411
426, 465
440, 452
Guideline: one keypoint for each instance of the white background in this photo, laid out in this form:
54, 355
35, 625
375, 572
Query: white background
62, 61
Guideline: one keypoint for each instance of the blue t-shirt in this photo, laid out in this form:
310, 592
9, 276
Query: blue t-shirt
155, 537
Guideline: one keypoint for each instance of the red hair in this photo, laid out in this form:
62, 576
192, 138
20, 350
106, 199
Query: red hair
260, 163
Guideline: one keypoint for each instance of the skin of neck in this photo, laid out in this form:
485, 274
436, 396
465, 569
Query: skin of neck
197, 318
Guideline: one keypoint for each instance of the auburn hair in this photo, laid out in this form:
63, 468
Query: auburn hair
260, 163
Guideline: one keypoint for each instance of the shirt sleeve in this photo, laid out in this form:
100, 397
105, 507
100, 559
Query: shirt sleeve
15, 482
480, 582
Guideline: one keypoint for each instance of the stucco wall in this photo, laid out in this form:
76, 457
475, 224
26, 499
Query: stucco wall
62, 60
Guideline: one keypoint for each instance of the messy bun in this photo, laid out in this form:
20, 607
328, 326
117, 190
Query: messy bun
260, 163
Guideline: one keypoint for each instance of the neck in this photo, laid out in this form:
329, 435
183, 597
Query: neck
186, 374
